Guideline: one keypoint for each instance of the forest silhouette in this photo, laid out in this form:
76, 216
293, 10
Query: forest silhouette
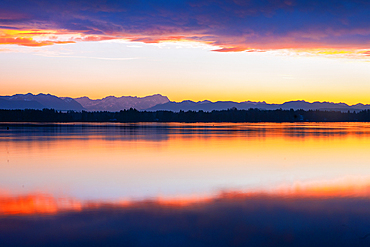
230, 115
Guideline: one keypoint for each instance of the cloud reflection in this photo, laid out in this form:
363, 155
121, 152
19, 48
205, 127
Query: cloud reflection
333, 214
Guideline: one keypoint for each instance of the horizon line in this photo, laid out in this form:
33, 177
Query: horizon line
195, 101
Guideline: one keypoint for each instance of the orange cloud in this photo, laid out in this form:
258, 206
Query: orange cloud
29, 42
232, 49
230, 26
94, 38
37, 38
29, 38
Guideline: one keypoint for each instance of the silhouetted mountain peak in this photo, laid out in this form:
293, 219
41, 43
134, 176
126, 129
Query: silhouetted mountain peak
206, 105
39, 101
113, 103
157, 102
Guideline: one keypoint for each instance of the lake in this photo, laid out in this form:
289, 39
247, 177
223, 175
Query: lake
136, 161
48, 168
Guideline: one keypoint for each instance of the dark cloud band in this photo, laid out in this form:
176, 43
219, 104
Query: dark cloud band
233, 25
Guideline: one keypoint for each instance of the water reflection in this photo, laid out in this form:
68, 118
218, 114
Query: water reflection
162, 131
159, 184
136, 161
39, 203
309, 216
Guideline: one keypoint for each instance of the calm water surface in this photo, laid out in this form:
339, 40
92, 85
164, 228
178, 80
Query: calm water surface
138, 161
183, 185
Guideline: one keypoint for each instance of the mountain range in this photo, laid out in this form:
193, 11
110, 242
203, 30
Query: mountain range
206, 105
110, 103
156, 102
39, 101
115, 104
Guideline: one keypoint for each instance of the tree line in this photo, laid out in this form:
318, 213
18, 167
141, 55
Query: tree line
230, 115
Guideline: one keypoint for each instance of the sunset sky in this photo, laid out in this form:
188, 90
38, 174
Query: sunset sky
239, 50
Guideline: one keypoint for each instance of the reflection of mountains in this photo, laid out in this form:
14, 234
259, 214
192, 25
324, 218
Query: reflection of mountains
164, 131
45, 132
318, 217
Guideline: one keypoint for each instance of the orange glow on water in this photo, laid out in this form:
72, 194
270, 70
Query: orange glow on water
172, 160
43, 204
36, 203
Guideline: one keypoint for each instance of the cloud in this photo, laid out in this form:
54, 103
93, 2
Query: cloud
29, 42
229, 25
99, 58
27, 38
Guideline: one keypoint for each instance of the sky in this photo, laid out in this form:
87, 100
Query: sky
239, 50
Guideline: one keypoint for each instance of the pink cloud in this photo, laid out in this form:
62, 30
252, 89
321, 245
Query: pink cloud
229, 25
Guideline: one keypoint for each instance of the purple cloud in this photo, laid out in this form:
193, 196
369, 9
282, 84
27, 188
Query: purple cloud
232, 25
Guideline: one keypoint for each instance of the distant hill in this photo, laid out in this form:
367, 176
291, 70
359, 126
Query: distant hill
39, 101
206, 105
113, 104
157, 102
110, 103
